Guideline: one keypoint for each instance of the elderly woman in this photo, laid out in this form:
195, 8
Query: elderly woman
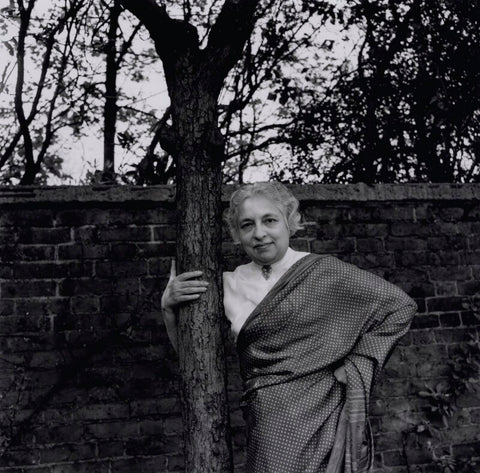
312, 332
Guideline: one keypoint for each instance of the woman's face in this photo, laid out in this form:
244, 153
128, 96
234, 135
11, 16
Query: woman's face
263, 230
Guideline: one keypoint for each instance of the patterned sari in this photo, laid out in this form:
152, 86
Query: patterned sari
322, 314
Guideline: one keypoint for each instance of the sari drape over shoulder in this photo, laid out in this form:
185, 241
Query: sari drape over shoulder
322, 314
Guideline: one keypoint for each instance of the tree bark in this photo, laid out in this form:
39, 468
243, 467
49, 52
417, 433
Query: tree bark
194, 79
110, 110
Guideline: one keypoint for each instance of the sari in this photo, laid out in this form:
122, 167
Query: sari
323, 313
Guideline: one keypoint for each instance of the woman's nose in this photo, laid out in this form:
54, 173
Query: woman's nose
259, 232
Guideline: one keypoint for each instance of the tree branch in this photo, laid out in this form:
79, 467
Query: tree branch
228, 35
171, 37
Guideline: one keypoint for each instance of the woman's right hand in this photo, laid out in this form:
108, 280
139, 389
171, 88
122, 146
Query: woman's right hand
182, 288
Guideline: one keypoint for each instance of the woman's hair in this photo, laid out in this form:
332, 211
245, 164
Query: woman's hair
273, 191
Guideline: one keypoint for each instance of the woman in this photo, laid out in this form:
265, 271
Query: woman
312, 333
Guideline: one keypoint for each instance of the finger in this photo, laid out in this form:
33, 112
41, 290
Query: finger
190, 290
192, 284
188, 275
189, 297
173, 270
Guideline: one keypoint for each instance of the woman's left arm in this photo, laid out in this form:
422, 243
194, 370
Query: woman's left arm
388, 320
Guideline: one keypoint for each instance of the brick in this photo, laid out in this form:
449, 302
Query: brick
124, 234
42, 306
84, 304
79, 251
469, 318
6, 270
410, 243
373, 260
370, 245
107, 449
417, 289
14, 457
450, 319
325, 214
155, 464
20, 289
120, 269
159, 267
330, 231
58, 434
445, 304
34, 235
108, 411
474, 241
151, 446
411, 258
300, 244
6, 307
436, 243
471, 257
124, 251
450, 273
36, 252
87, 322
345, 245
446, 288
309, 231
22, 217
398, 275
175, 463
113, 430
77, 286
162, 213
422, 337
164, 233
95, 466
469, 288
49, 270
80, 217
451, 335
148, 250
364, 229
67, 452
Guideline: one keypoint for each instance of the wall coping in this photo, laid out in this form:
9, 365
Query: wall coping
304, 192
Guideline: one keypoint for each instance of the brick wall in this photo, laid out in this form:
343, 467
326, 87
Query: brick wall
88, 380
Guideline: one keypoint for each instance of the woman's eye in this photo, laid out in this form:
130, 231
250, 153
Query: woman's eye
271, 220
245, 225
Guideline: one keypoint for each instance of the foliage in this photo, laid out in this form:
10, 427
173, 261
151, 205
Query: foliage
325, 91
463, 377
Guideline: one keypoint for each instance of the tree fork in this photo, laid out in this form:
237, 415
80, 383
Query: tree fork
194, 80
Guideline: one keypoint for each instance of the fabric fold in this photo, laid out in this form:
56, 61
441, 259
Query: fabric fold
323, 313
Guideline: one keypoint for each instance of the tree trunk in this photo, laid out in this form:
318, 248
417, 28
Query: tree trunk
194, 78
110, 111
201, 347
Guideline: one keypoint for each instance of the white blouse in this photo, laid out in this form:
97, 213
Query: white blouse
245, 287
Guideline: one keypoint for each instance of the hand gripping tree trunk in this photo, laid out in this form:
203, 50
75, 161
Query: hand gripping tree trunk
194, 79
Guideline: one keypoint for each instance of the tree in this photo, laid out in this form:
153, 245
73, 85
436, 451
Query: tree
33, 140
69, 56
406, 108
195, 78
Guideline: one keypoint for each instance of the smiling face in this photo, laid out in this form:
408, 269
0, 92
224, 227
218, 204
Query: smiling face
263, 230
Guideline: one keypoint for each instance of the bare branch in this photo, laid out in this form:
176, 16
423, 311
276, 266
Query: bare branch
164, 30
229, 34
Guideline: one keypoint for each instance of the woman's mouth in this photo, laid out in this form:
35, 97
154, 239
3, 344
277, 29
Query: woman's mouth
262, 246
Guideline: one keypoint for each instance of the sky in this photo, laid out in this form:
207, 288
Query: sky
86, 154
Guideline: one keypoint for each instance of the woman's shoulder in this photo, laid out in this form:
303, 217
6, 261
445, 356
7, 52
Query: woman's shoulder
240, 271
